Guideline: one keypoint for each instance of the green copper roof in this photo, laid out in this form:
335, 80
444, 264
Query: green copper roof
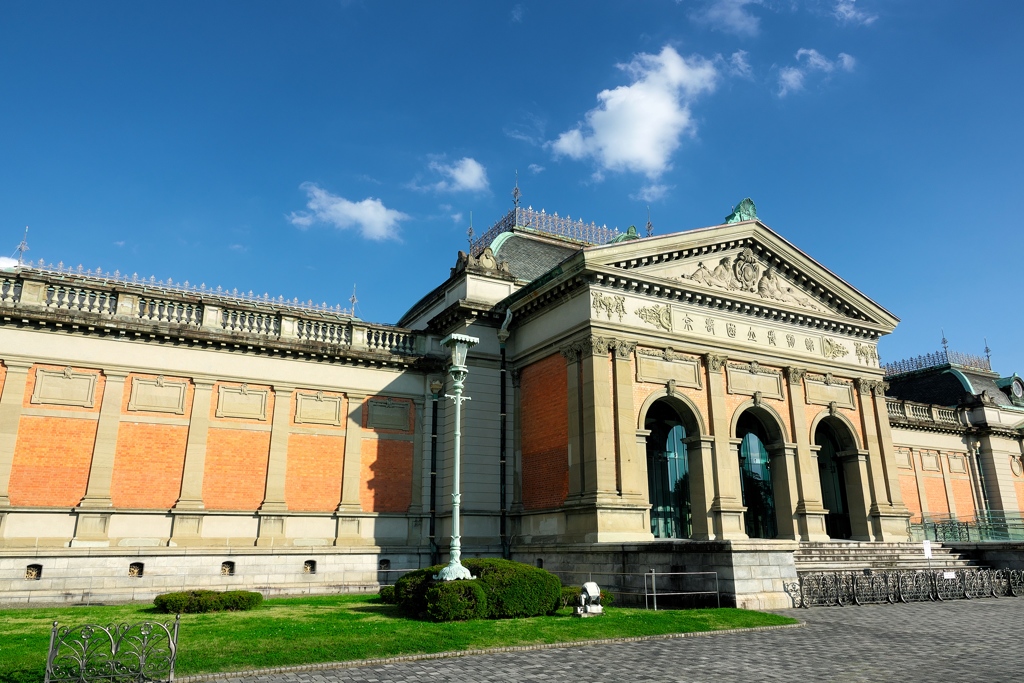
744, 211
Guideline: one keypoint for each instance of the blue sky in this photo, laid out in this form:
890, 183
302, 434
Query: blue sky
299, 148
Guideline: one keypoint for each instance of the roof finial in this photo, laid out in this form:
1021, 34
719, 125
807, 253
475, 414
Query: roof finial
22, 248
353, 300
469, 233
988, 353
516, 194
945, 342
650, 225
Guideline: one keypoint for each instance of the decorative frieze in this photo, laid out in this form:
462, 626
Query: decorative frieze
318, 409
658, 316
825, 389
157, 395
241, 402
750, 379
387, 413
656, 366
64, 388
609, 304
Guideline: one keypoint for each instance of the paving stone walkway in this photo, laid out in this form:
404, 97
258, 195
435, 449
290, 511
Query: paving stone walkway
966, 640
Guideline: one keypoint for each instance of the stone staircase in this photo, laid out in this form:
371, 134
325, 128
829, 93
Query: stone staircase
860, 555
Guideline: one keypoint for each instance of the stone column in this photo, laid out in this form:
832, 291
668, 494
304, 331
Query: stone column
277, 460
994, 461
598, 422
727, 506
10, 417
889, 513
810, 512
700, 452
101, 469
631, 474
352, 467
782, 458
571, 353
191, 497
855, 471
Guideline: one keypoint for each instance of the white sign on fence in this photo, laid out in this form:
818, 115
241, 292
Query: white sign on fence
949, 575
927, 550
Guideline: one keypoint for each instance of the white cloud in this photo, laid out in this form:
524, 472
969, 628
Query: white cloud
8, 262
465, 175
792, 78
119, 243
374, 220
456, 217
846, 11
729, 16
738, 64
638, 127
529, 128
650, 193
517, 14
535, 168
238, 247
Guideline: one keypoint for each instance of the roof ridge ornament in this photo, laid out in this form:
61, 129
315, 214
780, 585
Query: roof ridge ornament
744, 211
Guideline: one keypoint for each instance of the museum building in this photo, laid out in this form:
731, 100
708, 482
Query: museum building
703, 400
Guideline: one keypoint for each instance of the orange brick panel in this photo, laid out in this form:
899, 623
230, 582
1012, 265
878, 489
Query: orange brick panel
908, 489
235, 476
963, 498
386, 475
544, 430
313, 481
51, 461
935, 491
148, 465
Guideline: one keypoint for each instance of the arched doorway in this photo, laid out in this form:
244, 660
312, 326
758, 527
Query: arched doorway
834, 442
668, 472
756, 478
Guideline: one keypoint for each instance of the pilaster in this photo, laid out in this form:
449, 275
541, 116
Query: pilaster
599, 480
630, 473
277, 459
727, 506
888, 513
191, 497
352, 467
101, 469
784, 486
810, 513
571, 352
855, 472
11, 400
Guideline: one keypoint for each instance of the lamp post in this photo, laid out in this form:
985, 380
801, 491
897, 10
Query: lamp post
459, 345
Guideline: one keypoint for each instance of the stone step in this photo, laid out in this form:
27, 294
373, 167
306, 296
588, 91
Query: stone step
860, 555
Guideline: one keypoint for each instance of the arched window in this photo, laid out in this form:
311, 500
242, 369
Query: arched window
668, 473
833, 482
756, 479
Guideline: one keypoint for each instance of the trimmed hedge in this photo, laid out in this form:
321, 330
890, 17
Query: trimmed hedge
387, 595
515, 589
197, 601
511, 590
456, 601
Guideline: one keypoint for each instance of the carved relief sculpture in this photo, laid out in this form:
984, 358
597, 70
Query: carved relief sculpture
659, 316
833, 349
610, 304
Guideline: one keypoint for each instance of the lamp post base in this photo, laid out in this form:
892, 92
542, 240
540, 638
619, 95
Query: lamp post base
453, 572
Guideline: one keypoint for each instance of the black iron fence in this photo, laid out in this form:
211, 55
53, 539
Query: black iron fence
830, 589
122, 653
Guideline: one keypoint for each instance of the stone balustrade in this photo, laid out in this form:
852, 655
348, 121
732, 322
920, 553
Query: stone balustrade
30, 290
922, 414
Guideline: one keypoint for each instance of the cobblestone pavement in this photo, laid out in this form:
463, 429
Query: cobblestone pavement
976, 640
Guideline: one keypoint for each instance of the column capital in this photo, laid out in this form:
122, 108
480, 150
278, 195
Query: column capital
17, 365
795, 375
715, 362
624, 349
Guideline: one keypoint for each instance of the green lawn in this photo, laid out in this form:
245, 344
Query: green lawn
291, 631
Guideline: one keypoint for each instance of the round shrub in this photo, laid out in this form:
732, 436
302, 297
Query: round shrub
387, 595
515, 589
198, 601
456, 601
411, 591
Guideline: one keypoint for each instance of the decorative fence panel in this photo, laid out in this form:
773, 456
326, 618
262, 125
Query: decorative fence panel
122, 653
830, 589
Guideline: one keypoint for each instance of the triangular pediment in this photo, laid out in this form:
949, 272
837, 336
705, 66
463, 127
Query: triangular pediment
744, 261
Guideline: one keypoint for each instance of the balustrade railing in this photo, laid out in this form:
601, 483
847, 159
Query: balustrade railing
250, 322
390, 341
900, 411
73, 298
10, 290
324, 331
167, 311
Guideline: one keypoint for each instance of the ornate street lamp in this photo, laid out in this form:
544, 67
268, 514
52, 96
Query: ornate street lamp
459, 345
